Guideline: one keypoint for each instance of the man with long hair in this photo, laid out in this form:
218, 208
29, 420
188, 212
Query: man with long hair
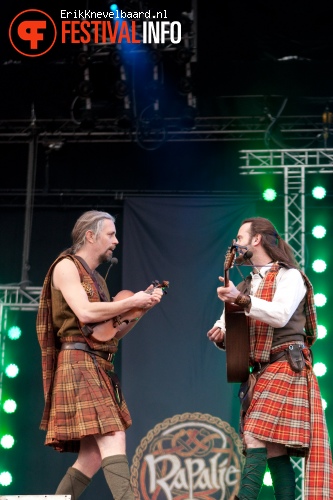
285, 416
78, 329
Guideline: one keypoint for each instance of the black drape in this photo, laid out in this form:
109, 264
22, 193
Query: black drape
168, 364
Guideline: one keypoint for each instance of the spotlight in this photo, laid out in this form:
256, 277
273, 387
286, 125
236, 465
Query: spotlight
319, 369
319, 266
113, 7
183, 55
7, 441
120, 89
12, 370
319, 192
320, 299
185, 85
5, 478
14, 332
319, 232
9, 406
83, 60
85, 89
322, 331
269, 194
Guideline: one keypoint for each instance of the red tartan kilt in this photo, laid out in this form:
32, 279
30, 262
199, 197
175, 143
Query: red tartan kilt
280, 411
83, 402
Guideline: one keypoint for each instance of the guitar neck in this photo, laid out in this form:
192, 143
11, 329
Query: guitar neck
226, 277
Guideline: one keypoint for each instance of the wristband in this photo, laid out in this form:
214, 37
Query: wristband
243, 300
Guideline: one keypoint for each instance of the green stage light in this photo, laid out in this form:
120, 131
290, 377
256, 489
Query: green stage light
320, 299
268, 479
12, 370
319, 192
319, 231
319, 265
319, 369
9, 406
322, 331
14, 332
269, 194
7, 441
5, 478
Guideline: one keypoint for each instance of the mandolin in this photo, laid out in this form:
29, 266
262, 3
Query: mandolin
237, 335
106, 330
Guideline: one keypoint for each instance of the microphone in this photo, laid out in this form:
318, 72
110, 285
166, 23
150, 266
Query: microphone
243, 257
113, 262
248, 255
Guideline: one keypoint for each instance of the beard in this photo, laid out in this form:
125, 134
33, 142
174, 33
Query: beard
105, 257
244, 255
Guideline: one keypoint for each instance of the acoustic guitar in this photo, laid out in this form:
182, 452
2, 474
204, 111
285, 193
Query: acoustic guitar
237, 335
106, 330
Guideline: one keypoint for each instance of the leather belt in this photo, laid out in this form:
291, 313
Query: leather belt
81, 346
278, 356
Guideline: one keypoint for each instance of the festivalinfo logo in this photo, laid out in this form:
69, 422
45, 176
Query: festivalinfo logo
33, 32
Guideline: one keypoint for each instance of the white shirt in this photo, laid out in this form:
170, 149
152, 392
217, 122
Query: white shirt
290, 290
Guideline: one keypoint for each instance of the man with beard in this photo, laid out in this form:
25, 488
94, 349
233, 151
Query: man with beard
78, 329
285, 416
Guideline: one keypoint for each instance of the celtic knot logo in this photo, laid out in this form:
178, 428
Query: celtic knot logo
186, 457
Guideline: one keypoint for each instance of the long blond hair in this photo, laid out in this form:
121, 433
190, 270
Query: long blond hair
89, 221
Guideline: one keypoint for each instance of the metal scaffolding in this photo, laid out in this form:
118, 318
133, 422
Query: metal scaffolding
14, 298
294, 165
295, 129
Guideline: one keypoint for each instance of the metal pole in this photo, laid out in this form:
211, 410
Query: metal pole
32, 160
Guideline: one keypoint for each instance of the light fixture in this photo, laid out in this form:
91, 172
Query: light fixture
319, 192
319, 231
320, 299
319, 265
14, 332
269, 194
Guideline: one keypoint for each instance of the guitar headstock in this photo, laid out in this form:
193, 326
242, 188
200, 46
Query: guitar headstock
230, 256
164, 285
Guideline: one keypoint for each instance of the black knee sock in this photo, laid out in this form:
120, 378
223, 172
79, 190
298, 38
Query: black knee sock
283, 477
253, 473
73, 483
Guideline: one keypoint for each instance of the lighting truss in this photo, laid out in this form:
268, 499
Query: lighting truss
294, 165
294, 129
14, 298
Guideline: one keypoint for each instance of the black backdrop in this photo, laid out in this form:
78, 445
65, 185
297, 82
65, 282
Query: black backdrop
168, 365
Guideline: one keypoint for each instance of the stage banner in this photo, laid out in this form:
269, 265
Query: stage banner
192, 455
170, 371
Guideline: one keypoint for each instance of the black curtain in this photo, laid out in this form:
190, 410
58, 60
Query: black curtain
168, 365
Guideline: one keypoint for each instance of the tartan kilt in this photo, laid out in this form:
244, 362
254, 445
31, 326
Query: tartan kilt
280, 409
83, 402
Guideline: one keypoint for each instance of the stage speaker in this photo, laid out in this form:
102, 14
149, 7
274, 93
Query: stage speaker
35, 497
